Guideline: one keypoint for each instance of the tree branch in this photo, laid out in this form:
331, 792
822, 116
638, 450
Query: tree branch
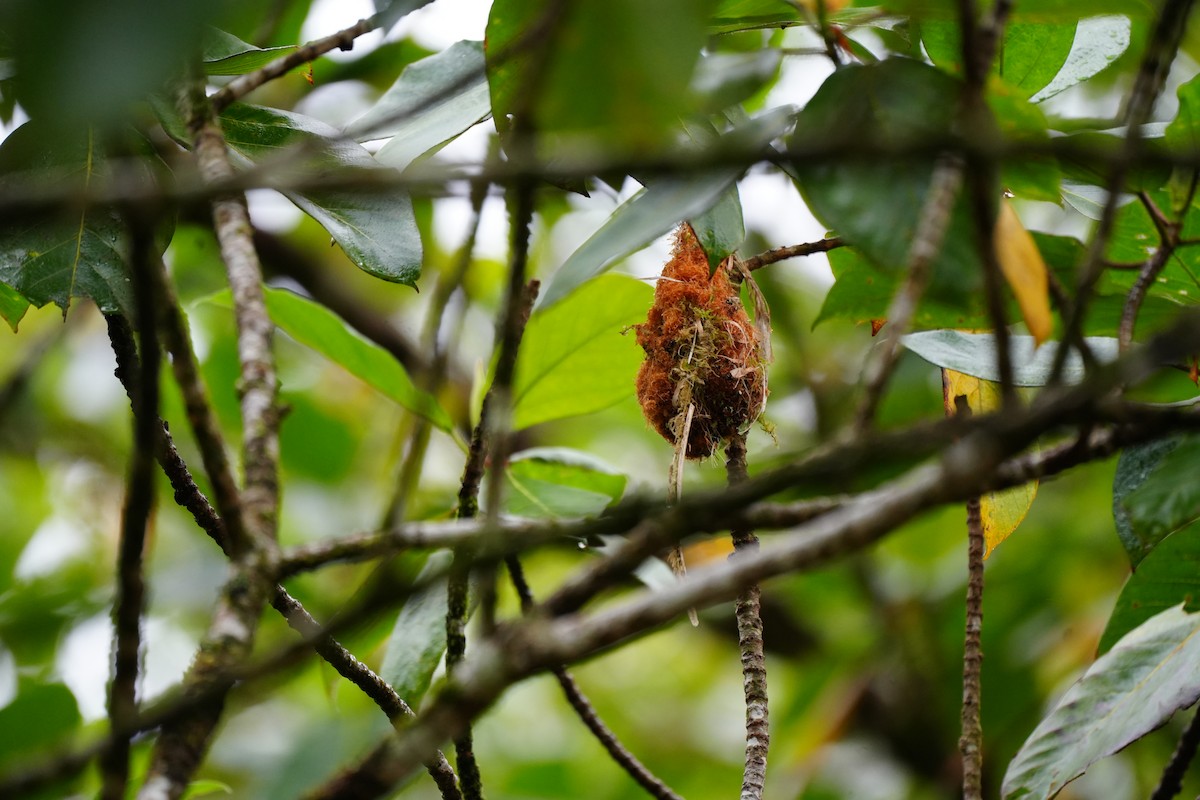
139, 503
792, 251
243, 85
1171, 782
748, 611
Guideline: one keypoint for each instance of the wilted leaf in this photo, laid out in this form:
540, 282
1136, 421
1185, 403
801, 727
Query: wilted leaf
1025, 272
574, 359
1001, 512
1134, 688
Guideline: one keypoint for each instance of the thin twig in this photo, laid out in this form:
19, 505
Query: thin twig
970, 744
748, 611
1168, 232
584, 708
927, 243
792, 251
1171, 782
139, 502
243, 85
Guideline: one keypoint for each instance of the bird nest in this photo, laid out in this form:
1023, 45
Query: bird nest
704, 378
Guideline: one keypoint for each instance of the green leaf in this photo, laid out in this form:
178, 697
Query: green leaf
12, 306
433, 101
723, 79
53, 259
376, 228
418, 638
389, 12
741, 15
41, 715
641, 219
1167, 576
615, 71
316, 327
225, 54
876, 206
863, 292
549, 482
206, 788
975, 354
1169, 498
658, 208
1031, 54
1099, 41
722, 229
1133, 689
1133, 467
574, 359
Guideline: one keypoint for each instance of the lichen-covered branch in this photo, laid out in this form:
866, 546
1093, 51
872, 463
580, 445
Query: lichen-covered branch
183, 742
748, 612
970, 744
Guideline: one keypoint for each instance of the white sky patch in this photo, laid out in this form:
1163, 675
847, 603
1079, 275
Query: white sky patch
271, 211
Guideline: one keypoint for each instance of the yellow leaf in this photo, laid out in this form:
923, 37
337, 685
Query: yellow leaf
1001, 511
1025, 271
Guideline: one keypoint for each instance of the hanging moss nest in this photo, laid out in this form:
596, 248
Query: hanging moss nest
701, 350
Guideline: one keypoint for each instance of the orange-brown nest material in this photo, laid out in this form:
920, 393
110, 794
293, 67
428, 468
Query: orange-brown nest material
701, 349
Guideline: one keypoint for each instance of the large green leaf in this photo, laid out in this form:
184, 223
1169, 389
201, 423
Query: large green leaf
315, 326
876, 205
225, 54
617, 71
1099, 41
1031, 54
975, 354
1133, 467
1169, 496
723, 79
376, 229
53, 259
418, 638
549, 482
574, 359
662, 205
433, 101
1131, 690
862, 292
1168, 576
